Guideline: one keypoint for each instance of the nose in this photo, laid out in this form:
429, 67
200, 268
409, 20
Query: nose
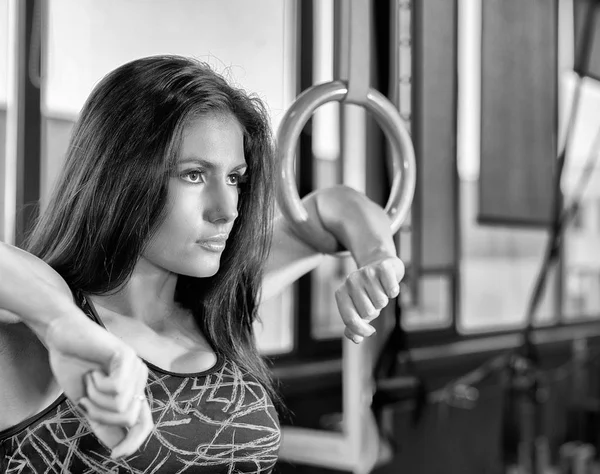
221, 203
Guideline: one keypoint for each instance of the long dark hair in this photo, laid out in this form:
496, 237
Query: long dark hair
112, 192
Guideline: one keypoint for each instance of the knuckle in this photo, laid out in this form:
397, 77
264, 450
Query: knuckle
116, 386
370, 272
386, 269
339, 293
354, 278
130, 419
121, 403
380, 303
354, 325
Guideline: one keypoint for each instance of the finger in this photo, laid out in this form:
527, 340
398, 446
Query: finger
363, 305
366, 293
97, 414
391, 272
139, 382
119, 401
353, 337
118, 378
350, 316
137, 434
378, 297
106, 401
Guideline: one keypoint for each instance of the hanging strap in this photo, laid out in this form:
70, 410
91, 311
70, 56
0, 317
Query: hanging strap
396, 379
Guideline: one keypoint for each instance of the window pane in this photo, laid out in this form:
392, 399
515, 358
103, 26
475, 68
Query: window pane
435, 306
274, 328
498, 270
581, 289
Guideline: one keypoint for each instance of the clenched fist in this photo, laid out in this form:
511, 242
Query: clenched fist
365, 293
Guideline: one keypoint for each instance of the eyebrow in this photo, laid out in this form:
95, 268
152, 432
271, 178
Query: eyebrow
207, 164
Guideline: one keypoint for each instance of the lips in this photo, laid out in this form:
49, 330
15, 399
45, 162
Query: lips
214, 244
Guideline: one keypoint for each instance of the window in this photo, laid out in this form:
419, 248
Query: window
582, 239
488, 285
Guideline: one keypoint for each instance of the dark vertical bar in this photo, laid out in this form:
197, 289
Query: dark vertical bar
434, 90
416, 133
29, 116
304, 171
586, 16
377, 178
518, 111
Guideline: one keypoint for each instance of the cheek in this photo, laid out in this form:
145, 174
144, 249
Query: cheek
176, 231
181, 214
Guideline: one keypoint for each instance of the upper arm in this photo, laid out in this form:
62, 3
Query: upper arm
24, 280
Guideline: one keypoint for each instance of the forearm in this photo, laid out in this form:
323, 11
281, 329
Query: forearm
33, 293
354, 222
27, 291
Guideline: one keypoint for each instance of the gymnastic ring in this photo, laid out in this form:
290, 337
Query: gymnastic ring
388, 118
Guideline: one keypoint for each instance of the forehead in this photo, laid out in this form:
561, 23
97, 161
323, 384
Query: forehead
217, 136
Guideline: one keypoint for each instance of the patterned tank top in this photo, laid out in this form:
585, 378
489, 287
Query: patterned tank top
217, 421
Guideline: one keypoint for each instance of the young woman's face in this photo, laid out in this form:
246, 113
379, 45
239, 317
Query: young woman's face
203, 198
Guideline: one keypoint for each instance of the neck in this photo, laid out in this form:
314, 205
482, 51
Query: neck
148, 295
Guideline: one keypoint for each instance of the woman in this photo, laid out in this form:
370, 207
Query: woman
136, 296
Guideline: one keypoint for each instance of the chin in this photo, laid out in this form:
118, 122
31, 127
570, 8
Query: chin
202, 269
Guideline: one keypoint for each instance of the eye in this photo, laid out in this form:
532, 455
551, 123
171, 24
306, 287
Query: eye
237, 179
193, 176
